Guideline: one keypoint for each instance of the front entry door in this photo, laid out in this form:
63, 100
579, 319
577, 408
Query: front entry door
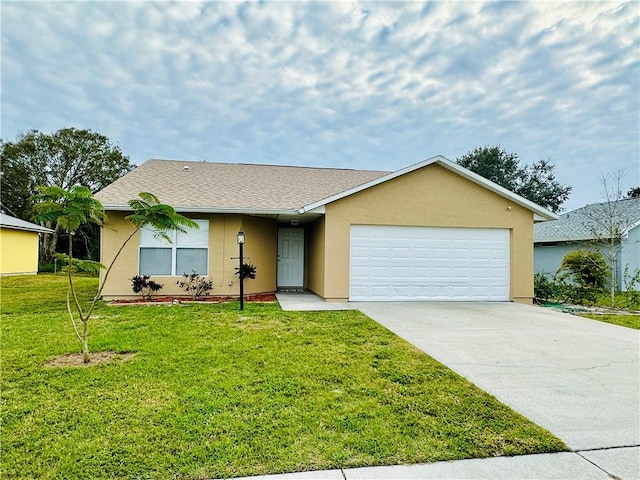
290, 257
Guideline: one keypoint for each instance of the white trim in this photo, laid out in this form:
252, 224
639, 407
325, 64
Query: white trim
631, 227
542, 213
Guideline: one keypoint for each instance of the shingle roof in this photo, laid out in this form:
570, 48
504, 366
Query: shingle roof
206, 185
14, 223
579, 224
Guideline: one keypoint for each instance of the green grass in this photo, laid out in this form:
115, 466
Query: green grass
214, 392
624, 300
625, 320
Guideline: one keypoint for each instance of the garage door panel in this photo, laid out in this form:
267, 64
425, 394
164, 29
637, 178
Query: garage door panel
429, 263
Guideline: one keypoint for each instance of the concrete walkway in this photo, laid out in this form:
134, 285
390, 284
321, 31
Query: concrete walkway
309, 302
576, 377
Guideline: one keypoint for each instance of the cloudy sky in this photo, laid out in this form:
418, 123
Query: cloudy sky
368, 85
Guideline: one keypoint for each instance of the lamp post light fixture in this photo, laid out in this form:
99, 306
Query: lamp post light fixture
240, 245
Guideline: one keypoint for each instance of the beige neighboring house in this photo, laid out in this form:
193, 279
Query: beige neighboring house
19, 245
431, 231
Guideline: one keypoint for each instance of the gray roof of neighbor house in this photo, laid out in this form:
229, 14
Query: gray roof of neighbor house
7, 221
232, 186
583, 224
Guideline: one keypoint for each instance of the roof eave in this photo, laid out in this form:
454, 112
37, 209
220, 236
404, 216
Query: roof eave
183, 209
28, 229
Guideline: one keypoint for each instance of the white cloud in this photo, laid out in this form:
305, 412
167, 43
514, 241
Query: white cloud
359, 84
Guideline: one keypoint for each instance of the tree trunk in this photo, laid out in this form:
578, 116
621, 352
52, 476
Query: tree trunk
48, 246
85, 340
83, 317
612, 289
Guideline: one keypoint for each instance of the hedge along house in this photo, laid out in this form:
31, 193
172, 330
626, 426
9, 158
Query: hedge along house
19, 245
431, 231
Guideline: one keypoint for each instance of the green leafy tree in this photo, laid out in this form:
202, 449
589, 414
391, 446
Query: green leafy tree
535, 182
63, 159
633, 192
71, 209
583, 274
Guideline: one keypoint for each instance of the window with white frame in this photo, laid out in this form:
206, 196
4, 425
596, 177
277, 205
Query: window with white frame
188, 251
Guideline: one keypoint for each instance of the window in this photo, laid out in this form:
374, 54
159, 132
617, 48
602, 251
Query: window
189, 251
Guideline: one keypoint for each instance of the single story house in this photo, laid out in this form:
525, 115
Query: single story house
19, 245
430, 231
586, 228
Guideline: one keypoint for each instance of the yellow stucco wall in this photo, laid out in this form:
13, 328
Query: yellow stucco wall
260, 248
431, 196
18, 252
316, 256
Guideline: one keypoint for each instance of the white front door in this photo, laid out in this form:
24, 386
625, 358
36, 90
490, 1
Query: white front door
290, 257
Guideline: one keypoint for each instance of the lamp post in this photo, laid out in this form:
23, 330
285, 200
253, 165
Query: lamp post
240, 245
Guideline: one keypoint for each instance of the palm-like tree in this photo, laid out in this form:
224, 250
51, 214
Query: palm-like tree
73, 208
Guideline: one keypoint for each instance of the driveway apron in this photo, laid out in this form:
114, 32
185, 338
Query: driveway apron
576, 377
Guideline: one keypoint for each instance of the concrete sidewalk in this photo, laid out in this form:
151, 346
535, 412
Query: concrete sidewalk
612, 464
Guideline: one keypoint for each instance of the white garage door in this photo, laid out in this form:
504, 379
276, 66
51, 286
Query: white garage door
428, 263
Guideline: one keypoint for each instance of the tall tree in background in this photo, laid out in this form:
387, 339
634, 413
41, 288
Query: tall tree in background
633, 192
535, 182
62, 159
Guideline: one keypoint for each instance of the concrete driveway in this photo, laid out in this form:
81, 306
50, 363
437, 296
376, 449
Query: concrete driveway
576, 377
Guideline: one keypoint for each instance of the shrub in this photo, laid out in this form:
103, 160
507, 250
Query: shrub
583, 274
545, 287
195, 285
629, 281
146, 287
77, 265
246, 271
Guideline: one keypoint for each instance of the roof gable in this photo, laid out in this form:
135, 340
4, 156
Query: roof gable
540, 212
13, 223
578, 225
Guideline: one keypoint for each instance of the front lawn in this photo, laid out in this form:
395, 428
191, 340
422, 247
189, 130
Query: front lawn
625, 320
214, 392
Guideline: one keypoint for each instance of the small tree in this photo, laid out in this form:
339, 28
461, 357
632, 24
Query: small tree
608, 223
71, 209
584, 274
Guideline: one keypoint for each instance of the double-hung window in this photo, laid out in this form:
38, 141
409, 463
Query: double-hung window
187, 251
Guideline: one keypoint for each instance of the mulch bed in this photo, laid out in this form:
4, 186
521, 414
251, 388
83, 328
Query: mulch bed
258, 297
96, 358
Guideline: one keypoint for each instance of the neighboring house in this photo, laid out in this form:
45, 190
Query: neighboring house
19, 244
431, 231
577, 229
